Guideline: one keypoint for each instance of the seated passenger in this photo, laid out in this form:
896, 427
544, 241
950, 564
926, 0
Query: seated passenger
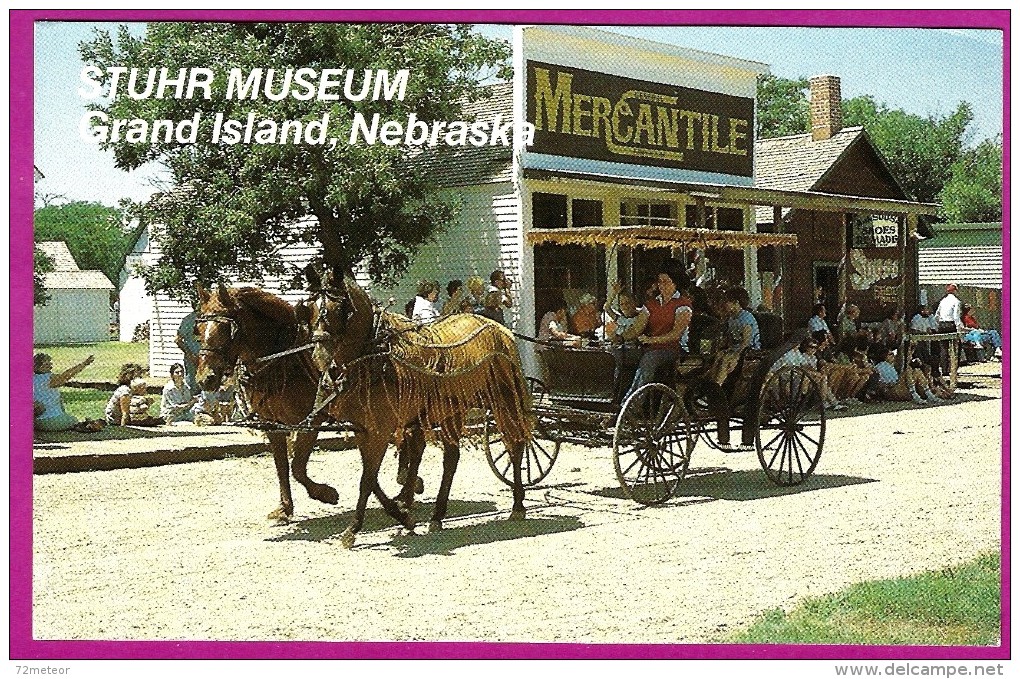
743, 334
585, 319
553, 327
628, 320
493, 308
665, 336
424, 310
455, 297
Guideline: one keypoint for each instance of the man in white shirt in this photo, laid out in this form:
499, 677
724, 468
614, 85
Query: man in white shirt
948, 313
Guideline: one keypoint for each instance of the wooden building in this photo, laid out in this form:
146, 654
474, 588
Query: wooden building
634, 135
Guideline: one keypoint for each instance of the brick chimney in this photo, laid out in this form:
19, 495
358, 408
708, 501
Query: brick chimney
826, 114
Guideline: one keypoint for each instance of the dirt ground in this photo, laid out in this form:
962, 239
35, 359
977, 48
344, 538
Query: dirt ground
184, 552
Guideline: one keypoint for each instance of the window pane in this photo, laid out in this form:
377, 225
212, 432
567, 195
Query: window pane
587, 212
548, 211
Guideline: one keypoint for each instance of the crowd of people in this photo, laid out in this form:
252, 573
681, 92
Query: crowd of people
130, 403
646, 331
474, 296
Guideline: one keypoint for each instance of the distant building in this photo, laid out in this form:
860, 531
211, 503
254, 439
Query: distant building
969, 255
135, 301
78, 311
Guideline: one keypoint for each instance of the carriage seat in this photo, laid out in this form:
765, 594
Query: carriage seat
770, 329
703, 341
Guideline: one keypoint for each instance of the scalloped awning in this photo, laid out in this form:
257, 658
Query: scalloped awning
657, 237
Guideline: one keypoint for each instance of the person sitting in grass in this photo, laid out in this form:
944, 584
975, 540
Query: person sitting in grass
138, 408
118, 408
48, 406
175, 404
210, 409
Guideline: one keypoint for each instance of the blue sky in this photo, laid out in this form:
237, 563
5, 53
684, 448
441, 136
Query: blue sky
923, 71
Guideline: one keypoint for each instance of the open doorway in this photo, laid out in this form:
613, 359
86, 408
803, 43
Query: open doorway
826, 287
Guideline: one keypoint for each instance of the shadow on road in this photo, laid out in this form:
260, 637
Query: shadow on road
446, 541
442, 542
720, 483
328, 527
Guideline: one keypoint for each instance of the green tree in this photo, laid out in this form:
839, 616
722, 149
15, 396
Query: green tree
236, 205
94, 234
783, 107
41, 265
974, 190
920, 151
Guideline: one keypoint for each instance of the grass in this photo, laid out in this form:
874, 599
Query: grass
109, 357
957, 606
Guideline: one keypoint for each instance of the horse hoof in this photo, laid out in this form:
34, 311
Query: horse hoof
517, 515
347, 539
419, 486
327, 494
279, 515
435, 526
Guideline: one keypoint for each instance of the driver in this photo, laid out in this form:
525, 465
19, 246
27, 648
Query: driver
666, 333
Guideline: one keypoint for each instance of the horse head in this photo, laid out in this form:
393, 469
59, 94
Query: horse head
339, 315
239, 324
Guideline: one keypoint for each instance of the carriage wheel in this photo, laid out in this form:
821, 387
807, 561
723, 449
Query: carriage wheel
652, 444
540, 454
791, 426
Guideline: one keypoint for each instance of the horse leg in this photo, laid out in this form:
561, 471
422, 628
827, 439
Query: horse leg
516, 457
372, 448
302, 443
408, 453
278, 447
411, 450
451, 456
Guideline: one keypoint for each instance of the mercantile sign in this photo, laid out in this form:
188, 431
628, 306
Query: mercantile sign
584, 114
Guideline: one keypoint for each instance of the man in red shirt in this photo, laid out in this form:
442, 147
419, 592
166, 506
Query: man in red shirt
665, 338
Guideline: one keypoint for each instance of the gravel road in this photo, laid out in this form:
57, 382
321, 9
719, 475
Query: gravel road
184, 552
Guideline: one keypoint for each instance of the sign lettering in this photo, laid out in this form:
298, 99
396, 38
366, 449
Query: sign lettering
583, 114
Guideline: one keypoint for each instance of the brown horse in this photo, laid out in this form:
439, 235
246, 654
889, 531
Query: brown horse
418, 379
249, 324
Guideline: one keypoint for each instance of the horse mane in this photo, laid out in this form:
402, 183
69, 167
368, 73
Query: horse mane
265, 304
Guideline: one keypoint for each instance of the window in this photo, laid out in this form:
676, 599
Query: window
722, 218
585, 212
548, 211
648, 214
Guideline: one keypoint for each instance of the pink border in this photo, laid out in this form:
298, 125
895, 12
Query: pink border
22, 646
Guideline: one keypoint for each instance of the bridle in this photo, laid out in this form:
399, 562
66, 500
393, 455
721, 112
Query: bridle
215, 318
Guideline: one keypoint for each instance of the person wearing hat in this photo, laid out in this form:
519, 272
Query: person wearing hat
948, 314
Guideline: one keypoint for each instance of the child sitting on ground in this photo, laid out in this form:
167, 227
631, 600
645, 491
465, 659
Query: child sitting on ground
138, 410
208, 410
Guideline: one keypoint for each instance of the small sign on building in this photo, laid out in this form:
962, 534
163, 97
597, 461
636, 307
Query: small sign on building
875, 231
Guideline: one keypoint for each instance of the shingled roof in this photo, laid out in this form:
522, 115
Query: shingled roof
464, 166
797, 163
59, 254
77, 280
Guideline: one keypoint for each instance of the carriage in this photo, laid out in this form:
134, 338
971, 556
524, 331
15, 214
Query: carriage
653, 431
